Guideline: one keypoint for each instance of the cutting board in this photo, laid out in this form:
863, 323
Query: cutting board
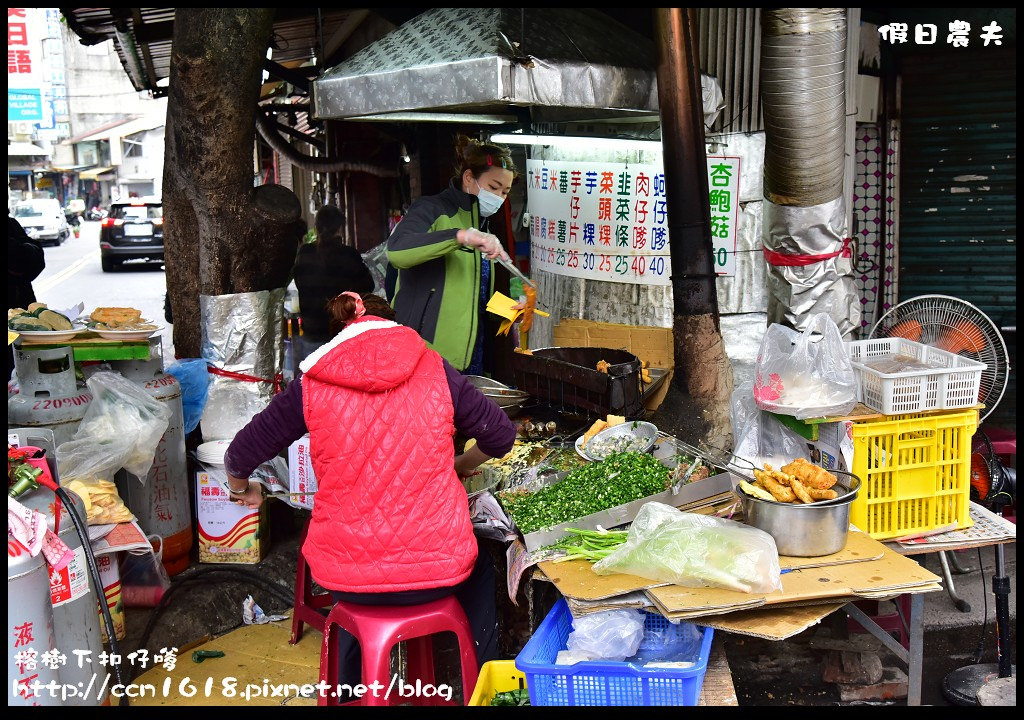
577, 579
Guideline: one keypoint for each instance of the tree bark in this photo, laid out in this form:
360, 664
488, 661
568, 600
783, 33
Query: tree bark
222, 235
697, 404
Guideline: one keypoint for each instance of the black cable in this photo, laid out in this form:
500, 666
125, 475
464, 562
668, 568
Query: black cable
94, 571
980, 650
273, 588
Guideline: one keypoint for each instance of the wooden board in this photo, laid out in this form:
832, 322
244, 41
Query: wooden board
718, 688
576, 579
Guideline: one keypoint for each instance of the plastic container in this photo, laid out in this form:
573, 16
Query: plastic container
605, 682
567, 377
496, 676
915, 473
953, 385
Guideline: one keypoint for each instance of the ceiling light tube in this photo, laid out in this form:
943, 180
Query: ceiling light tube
576, 142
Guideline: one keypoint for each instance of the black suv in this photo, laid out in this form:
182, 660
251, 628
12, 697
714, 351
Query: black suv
133, 229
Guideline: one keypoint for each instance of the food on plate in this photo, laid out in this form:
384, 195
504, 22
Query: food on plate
37, 319
810, 474
615, 420
756, 491
602, 366
597, 427
116, 317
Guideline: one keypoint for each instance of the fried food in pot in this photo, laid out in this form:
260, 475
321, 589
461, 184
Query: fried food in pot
810, 475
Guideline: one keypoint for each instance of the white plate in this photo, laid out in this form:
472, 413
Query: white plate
127, 334
580, 451
48, 335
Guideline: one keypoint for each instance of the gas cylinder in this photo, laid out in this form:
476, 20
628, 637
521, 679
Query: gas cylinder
73, 595
48, 396
161, 504
29, 627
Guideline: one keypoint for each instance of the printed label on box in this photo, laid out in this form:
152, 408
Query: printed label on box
228, 532
300, 473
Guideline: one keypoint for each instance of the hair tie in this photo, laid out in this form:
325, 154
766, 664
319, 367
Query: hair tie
489, 161
360, 308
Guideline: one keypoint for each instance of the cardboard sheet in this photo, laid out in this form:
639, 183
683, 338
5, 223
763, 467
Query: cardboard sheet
892, 573
576, 579
777, 624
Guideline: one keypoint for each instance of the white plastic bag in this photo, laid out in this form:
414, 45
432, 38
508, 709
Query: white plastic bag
121, 429
608, 635
805, 374
693, 550
759, 437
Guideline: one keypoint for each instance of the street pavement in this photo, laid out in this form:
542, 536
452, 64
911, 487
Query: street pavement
73, 275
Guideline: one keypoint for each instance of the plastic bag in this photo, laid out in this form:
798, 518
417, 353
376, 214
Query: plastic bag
608, 635
376, 259
144, 579
693, 550
759, 437
121, 429
669, 643
194, 378
805, 374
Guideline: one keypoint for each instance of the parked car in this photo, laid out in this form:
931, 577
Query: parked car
43, 220
132, 229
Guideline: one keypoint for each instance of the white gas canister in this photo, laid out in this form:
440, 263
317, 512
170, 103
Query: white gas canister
29, 628
161, 503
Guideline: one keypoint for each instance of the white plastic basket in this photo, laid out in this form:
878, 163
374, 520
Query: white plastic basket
952, 386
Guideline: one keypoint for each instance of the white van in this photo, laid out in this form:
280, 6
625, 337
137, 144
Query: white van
43, 220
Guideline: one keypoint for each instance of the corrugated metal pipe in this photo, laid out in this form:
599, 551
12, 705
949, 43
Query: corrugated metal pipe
803, 96
267, 129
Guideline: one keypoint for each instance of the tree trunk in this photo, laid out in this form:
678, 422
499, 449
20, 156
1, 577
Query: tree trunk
221, 234
697, 405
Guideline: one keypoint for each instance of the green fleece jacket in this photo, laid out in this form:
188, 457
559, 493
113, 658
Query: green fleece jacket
438, 287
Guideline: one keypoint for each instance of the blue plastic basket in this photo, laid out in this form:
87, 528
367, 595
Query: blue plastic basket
605, 682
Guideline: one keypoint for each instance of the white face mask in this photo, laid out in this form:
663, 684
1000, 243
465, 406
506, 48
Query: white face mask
489, 202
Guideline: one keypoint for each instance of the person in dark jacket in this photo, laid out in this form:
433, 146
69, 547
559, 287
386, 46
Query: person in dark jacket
444, 255
391, 522
25, 261
323, 269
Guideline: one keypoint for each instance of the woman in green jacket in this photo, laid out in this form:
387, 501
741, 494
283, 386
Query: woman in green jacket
444, 255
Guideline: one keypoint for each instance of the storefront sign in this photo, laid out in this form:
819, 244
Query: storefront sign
24, 105
608, 221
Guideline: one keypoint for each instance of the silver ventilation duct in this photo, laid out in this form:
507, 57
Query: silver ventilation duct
803, 95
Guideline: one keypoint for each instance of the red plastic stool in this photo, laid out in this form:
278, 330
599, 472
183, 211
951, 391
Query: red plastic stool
378, 628
890, 623
307, 605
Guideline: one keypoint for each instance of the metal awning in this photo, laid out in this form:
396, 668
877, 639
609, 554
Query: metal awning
489, 60
94, 173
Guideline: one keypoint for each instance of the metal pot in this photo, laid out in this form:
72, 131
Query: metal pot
805, 530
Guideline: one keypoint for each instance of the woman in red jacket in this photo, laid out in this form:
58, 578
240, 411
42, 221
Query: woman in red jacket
391, 523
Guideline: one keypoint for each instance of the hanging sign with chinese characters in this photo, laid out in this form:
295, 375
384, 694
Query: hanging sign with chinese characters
609, 221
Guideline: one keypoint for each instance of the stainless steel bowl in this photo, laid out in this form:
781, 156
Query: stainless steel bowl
805, 530
643, 431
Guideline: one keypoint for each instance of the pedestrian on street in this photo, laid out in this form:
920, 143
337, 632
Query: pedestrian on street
391, 522
323, 269
25, 261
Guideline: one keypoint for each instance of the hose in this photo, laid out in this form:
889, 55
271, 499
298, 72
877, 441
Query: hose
94, 571
273, 588
266, 127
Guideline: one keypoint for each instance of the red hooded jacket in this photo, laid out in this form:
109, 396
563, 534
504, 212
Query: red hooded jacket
390, 512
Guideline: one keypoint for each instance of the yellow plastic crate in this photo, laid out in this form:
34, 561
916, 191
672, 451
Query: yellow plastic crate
915, 470
496, 676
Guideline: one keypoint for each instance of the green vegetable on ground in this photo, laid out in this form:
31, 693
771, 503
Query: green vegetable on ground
618, 479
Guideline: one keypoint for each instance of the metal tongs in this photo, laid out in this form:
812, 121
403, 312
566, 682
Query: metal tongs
507, 264
724, 459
